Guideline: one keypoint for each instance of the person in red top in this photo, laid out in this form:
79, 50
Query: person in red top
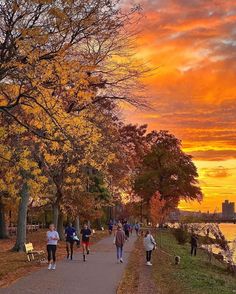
119, 241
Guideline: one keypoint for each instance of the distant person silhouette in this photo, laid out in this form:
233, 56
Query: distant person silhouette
194, 244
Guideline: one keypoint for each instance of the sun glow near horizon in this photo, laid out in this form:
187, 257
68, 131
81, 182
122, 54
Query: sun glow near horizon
193, 91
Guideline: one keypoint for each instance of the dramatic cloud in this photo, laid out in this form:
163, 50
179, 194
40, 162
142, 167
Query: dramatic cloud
193, 92
218, 172
213, 155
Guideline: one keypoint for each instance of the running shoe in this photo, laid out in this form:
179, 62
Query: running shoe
54, 266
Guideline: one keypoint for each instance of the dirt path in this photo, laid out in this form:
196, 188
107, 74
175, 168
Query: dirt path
100, 274
146, 284
138, 277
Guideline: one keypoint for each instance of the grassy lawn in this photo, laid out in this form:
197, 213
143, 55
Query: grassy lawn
194, 275
14, 265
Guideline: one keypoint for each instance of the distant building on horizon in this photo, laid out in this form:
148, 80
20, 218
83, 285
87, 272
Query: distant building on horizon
228, 210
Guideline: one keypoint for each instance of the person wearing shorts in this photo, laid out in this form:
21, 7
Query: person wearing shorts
70, 233
86, 233
52, 239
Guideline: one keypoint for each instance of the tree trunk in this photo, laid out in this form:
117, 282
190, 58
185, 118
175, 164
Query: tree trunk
77, 225
99, 224
10, 223
3, 227
45, 219
141, 211
60, 227
55, 208
22, 218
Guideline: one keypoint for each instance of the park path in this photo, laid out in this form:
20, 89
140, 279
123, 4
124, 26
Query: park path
99, 275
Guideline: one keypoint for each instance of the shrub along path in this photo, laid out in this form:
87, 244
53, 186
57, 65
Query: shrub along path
100, 274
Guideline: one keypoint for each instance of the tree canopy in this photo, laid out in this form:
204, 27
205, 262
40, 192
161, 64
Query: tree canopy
167, 171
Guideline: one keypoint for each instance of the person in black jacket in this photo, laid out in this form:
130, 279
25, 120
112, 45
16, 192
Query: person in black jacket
194, 244
70, 233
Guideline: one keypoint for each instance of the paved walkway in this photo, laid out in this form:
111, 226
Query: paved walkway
99, 275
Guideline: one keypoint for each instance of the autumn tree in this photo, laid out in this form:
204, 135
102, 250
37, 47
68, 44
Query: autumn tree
89, 200
167, 171
20, 175
59, 57
129, 151
61, 64
90, 144
7, 173
159, 209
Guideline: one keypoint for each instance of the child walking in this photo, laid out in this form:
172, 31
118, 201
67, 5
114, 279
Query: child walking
52, 239
119, 241
149, 245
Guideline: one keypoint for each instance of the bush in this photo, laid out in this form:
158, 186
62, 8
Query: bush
181, 234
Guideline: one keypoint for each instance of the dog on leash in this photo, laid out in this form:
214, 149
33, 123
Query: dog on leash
177, 259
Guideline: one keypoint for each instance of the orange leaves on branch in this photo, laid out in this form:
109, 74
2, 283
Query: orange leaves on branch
158, 210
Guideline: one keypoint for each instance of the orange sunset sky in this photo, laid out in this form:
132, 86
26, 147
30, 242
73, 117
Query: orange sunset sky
193, 92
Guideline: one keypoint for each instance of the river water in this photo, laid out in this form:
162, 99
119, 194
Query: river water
229, 230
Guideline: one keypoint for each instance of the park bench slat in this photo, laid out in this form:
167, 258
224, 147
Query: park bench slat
29, 250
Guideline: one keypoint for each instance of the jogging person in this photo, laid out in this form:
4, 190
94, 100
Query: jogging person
119, 241
86, 233
52, 239
70, 233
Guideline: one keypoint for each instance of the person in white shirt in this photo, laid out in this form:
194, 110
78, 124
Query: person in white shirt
149, 245
52, 239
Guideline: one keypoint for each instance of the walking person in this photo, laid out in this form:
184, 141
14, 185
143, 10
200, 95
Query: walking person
70, 233
52, 239
131, 229
86, 233
110, 227
149, 245
119, 241
194, 244
137, 228
126, 229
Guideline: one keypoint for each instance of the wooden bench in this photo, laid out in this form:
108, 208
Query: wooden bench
29, 250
